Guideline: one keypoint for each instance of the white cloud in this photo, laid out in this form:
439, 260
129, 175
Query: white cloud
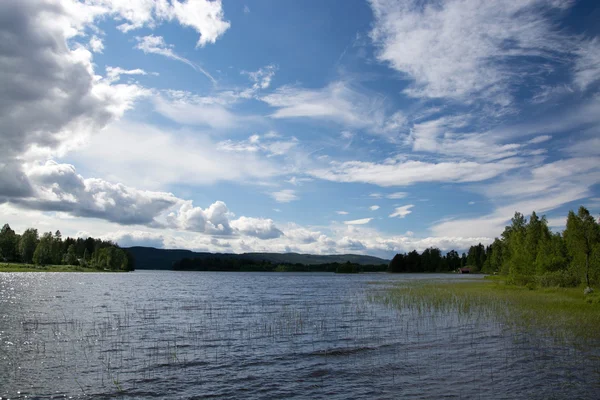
113, 74
541, 189
342, 212
257, 227
150, 157
358, 221
444, 136
539, 139
284, 196
402, 212
374, 208
262, 77
267, 145
58, 187
587, 66
204, 16
136, 238
397, 195
188, 109
402, 173
96, 44
51, 100
338, 102
458, 48
156, 45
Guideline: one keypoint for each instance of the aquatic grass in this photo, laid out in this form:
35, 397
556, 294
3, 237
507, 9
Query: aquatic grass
17, 267
561, 313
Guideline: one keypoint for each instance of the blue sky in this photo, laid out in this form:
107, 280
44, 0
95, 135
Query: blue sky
370, 127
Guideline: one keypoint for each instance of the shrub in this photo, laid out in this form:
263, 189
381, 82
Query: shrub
561, 278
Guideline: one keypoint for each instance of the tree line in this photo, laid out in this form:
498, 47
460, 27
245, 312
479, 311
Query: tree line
51, 249
240, 263
527, 253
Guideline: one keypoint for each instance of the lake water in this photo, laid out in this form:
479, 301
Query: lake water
194, 335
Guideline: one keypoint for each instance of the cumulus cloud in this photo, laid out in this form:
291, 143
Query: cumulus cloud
96, 44
58, 187
402, 212
136, 238
257, 227
374, 208
50, 101
205, 16
284, 196
342, 212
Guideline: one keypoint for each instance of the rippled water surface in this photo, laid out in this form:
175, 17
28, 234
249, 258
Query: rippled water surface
263, 335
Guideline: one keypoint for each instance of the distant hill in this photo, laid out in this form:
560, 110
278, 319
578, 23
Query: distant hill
151, 258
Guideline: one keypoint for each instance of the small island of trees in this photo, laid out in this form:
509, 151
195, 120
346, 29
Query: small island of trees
51, 249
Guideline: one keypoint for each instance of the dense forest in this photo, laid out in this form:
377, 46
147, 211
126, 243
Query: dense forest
236, 263
527, 252
52, 249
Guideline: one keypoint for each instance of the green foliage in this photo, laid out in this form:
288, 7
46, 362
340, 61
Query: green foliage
70, 258
527, 253
52, 250
111, 258
347, 268
8, 244
27, 244
582, 238
43, 251
239, 262
560, 278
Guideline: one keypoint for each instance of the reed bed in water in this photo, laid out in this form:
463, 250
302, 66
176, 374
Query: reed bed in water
563, 314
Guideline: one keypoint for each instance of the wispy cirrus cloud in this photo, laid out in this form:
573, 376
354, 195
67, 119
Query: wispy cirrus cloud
458, 49
339, 102
156, 45
403, 173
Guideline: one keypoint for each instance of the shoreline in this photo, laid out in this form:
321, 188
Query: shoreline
17, 267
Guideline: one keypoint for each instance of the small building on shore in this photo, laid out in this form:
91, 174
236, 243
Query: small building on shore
464, 270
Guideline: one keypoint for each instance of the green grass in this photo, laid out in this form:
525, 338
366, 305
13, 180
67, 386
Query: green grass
16, 267
562, 313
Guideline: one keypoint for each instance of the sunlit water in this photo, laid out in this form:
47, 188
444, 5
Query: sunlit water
263, 335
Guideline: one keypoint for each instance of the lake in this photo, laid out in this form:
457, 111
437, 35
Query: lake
192, 335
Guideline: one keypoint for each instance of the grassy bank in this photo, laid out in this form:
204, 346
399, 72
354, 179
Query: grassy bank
562, 313
16, 267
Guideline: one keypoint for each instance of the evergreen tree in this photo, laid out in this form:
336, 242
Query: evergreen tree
582, 237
